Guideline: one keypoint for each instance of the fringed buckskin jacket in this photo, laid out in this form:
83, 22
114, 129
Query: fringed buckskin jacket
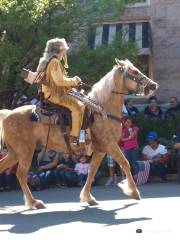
58, 81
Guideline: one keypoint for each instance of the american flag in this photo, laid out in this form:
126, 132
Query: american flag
143, 173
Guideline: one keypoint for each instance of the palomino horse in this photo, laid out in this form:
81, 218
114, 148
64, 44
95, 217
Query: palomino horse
21, 135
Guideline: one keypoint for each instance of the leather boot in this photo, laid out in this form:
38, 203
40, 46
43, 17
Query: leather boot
74, 140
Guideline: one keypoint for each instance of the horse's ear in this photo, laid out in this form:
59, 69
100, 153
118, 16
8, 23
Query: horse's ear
119, 62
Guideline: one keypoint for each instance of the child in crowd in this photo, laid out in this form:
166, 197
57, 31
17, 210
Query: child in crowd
130, 145
81, 169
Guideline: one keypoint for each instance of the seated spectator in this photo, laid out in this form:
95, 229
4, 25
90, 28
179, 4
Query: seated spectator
85, 142
19, 100
130, 145
157, 156
75, 157
81, 168
34, 101
124, 110
177, 151
177, 139
153, 110
174, 108
131, 109
8, 177
112, 180
65, 173
47, 162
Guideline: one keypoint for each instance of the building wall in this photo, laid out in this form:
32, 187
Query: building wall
165, 35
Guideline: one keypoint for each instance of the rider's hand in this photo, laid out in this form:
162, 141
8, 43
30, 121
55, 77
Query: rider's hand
78, 80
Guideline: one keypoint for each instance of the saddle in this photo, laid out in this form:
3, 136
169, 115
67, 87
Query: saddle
49, 113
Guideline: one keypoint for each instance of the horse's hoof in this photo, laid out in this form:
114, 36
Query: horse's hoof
93, 202
130, 193
40, 205
136, 195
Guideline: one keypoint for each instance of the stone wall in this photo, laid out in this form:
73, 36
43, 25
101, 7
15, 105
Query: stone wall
165, 24
165, 33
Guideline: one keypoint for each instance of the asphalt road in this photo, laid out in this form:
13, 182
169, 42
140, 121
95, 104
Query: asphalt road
157, 215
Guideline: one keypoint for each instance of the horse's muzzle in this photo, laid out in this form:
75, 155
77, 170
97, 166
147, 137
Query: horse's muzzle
153, 86
150, 88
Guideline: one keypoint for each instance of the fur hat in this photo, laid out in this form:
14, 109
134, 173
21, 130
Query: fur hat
53, 48
56, 45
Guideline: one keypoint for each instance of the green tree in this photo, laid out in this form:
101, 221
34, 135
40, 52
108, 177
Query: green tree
30, 23
92, 64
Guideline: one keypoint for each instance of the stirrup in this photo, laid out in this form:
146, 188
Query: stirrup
74, 140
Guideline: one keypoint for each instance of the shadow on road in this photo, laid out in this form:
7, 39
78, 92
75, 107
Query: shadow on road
30, 223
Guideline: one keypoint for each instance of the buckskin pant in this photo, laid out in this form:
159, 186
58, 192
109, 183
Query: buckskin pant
77, 112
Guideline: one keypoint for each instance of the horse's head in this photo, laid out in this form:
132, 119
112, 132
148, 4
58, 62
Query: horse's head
134, 80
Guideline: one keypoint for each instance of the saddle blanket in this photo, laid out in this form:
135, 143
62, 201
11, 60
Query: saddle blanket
48, 114
39, 114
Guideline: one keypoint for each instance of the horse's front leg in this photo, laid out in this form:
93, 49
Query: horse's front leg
85, 195
30, 201
128, 186
25, 159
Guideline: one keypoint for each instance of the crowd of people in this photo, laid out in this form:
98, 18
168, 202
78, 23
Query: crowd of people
63, 169
51, 168
153, 158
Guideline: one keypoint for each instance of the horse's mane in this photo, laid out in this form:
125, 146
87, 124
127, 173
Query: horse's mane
101, 90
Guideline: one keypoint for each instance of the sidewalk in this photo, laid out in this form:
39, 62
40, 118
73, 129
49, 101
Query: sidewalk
152, 179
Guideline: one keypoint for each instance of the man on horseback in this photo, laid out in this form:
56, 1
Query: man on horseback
54, 64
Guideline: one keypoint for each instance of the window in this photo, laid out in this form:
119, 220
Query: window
140, 3
139, 32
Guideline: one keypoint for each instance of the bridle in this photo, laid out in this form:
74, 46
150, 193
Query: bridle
127, 75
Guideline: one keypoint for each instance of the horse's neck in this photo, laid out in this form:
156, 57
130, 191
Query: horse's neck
115, 104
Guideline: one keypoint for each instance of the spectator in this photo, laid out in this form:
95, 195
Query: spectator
19, 100
131, 109
8, 177
177, 150
65, 173
124, 111
130, 143
112, 166
174, 108
81, 168
153, 110
34, 101
157, 156
47, 162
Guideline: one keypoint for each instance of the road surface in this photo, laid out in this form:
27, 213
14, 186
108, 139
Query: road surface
157, 215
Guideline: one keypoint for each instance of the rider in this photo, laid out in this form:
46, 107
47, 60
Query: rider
54, 63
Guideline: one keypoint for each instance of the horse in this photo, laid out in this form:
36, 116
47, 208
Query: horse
21, 136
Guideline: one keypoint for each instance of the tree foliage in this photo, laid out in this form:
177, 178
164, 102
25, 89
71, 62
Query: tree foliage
92, 64
30, 23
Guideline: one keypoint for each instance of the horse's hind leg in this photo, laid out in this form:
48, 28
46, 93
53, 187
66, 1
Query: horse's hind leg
85, 195
128, 187
22, 170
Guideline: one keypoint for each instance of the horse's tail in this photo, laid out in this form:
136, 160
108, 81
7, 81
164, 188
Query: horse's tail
3, 114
